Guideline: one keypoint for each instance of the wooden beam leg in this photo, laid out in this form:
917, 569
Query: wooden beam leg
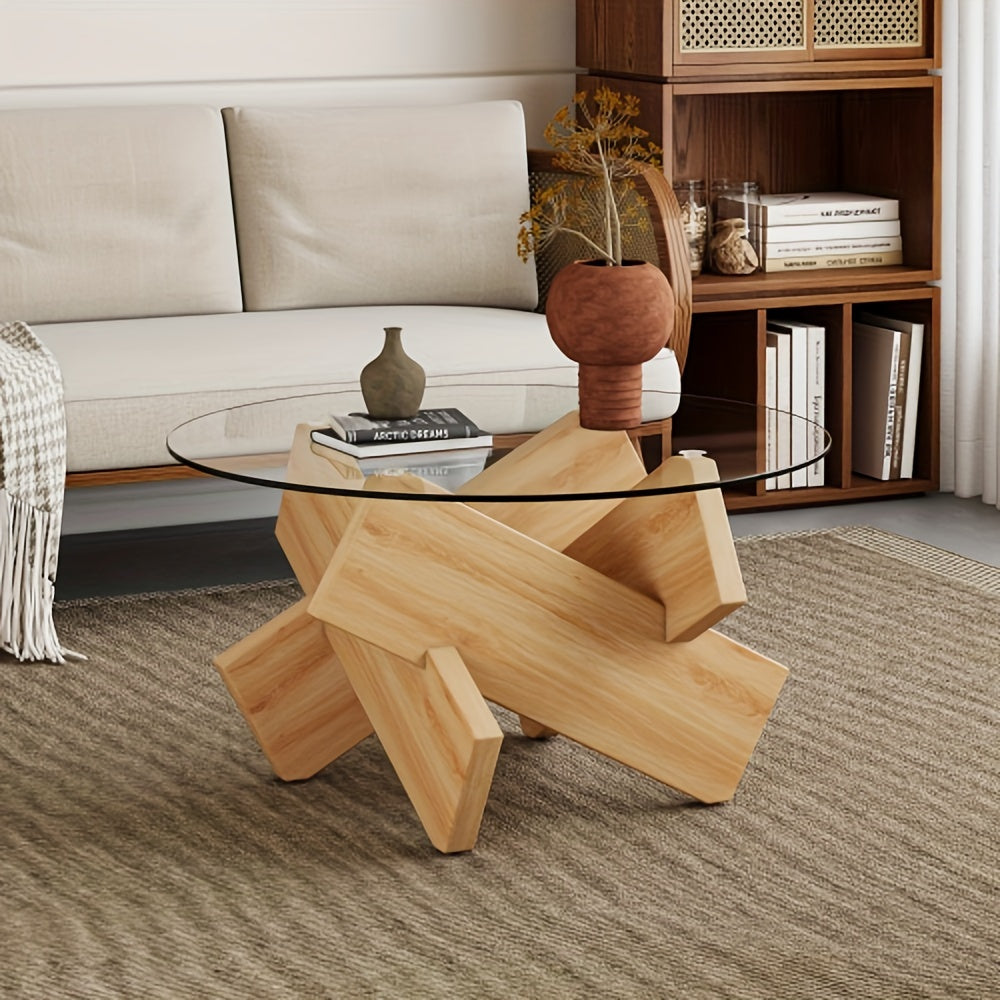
552, 640
291, 688
535, 730
563, 457
677, 548
310, 524
436, 729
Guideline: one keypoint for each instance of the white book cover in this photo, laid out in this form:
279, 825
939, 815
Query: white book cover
819, 248
828, 261
771, 401
783, 378
821, 206
799, 394
830, 231
815, 348
912, 405
817, 400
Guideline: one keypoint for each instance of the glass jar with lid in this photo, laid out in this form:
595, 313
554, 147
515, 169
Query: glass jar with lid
693, 203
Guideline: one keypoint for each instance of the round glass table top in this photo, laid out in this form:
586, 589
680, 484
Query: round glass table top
252, 443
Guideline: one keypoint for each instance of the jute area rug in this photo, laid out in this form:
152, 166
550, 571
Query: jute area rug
147, 852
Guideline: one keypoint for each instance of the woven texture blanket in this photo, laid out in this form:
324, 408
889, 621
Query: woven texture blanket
32, 480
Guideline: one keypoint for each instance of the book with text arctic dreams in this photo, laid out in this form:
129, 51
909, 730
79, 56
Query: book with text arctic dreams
325, 436
815, 206
427, 425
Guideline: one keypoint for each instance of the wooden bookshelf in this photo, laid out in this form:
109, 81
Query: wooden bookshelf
811, 109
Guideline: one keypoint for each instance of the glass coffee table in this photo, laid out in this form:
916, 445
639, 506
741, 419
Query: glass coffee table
554, 575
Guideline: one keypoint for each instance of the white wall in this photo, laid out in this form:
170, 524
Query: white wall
338, 51
68, 52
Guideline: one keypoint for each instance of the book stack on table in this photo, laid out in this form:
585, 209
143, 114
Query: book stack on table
816, 231
442, 445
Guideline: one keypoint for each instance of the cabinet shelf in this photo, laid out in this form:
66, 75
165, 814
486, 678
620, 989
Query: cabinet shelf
726, 358
676, 38
813, 101
717, 290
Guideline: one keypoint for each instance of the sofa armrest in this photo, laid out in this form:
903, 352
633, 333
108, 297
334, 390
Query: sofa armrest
663, 243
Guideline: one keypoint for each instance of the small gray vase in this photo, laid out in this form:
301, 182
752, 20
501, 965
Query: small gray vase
393, 383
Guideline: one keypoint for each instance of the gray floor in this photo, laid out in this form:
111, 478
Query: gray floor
174, 558
968, 527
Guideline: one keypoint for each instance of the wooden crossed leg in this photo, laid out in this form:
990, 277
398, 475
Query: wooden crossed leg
589, 618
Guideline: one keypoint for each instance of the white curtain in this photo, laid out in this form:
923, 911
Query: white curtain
970, 285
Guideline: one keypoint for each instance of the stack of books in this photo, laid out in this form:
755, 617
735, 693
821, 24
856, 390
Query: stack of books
885, 369
795, 379
817, 231
442, 445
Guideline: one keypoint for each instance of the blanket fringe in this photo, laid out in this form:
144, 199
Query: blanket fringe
29, 548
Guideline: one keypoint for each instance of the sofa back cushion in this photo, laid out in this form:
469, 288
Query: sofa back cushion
372, 206
110, 213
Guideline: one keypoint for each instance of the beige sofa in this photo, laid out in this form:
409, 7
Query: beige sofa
180, 259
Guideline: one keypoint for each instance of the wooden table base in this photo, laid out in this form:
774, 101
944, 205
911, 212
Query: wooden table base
589, 618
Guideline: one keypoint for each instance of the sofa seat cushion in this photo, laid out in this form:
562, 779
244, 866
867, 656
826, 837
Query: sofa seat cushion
369, 206
154, 374
107, 213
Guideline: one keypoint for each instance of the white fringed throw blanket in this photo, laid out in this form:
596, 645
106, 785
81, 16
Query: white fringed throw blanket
32, 480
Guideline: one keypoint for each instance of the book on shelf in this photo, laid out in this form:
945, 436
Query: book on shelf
427, 425
823, 248
771, 402
782, 355
911, 404
327, 437
811, 206
849, 230
902, 385
876, 411
825, 262
807, 375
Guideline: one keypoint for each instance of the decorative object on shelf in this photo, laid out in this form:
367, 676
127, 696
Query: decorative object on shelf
734, 247
693, 204
608, 314
393, 383
730, 251
610, 320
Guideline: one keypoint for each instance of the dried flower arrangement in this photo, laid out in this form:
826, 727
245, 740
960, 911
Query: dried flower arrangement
603, 150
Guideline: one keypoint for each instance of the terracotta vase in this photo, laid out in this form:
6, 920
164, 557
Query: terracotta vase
610, 319
393, 383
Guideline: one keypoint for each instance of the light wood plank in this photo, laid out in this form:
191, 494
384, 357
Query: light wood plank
436, 729
677, 548
535, 730
552, 640
309, 524
565, 457
292, 690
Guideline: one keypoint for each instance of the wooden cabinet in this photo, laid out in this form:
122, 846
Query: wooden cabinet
732, 38
863, 114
